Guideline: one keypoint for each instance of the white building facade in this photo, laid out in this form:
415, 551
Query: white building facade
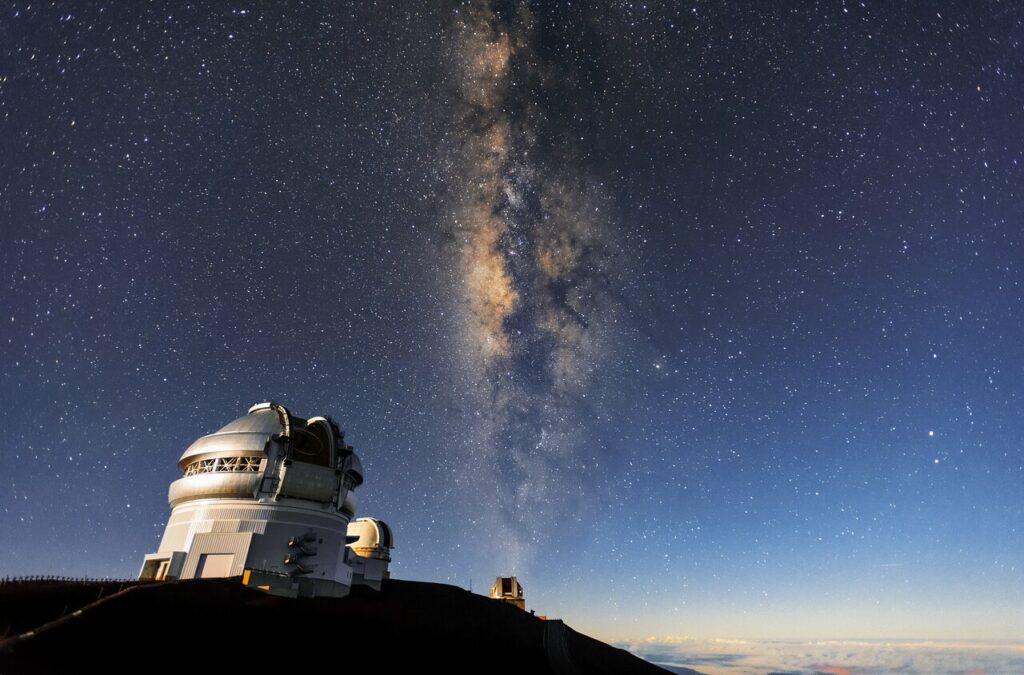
268, 498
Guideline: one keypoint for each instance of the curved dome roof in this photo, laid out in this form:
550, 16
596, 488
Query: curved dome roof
262, 421
249, 435
371, 533
246, 435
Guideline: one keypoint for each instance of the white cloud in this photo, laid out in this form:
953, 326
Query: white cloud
838, 657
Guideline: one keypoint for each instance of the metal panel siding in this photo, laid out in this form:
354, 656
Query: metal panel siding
218, 510
194, 525
217, 543
210, 485
268, 551
174, 537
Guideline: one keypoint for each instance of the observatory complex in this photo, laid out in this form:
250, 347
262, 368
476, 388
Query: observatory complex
270, 498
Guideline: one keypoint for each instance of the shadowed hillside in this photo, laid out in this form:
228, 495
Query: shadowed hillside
198, 625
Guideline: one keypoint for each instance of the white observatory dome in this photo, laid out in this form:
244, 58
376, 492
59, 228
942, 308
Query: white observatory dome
268, 498
234, 461
370, 538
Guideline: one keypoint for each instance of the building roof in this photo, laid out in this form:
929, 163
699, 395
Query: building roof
372, 533
316, 440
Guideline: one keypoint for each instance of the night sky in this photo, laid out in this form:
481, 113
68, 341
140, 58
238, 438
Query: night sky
702, 318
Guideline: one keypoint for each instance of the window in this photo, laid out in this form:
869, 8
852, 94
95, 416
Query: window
224, 465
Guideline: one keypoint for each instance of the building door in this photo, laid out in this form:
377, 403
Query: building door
214, 565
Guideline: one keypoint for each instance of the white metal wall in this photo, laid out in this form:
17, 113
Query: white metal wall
236, 544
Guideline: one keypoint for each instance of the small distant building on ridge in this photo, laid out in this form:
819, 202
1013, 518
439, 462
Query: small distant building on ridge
508, 589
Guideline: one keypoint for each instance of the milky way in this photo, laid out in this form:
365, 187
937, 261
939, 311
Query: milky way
534, 248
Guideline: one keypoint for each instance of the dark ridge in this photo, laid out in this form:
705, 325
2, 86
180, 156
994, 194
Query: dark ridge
25, 605
199, 625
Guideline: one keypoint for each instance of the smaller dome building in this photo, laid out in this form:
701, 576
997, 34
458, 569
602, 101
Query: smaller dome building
371, 542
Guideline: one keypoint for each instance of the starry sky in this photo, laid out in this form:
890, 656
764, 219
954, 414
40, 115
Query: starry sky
704, 319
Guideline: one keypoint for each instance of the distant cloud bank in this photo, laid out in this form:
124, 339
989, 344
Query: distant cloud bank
835, 657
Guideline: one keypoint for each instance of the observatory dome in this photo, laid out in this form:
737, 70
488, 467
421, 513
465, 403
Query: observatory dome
372, 538
233, 460
268, 497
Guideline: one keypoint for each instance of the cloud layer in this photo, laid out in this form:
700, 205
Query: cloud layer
837, 657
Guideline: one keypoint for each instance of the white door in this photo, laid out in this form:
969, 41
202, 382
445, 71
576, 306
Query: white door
214, 565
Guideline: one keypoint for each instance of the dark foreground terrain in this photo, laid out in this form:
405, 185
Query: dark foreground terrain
197, 626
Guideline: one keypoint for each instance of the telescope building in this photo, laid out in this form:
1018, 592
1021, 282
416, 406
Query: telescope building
270, 498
